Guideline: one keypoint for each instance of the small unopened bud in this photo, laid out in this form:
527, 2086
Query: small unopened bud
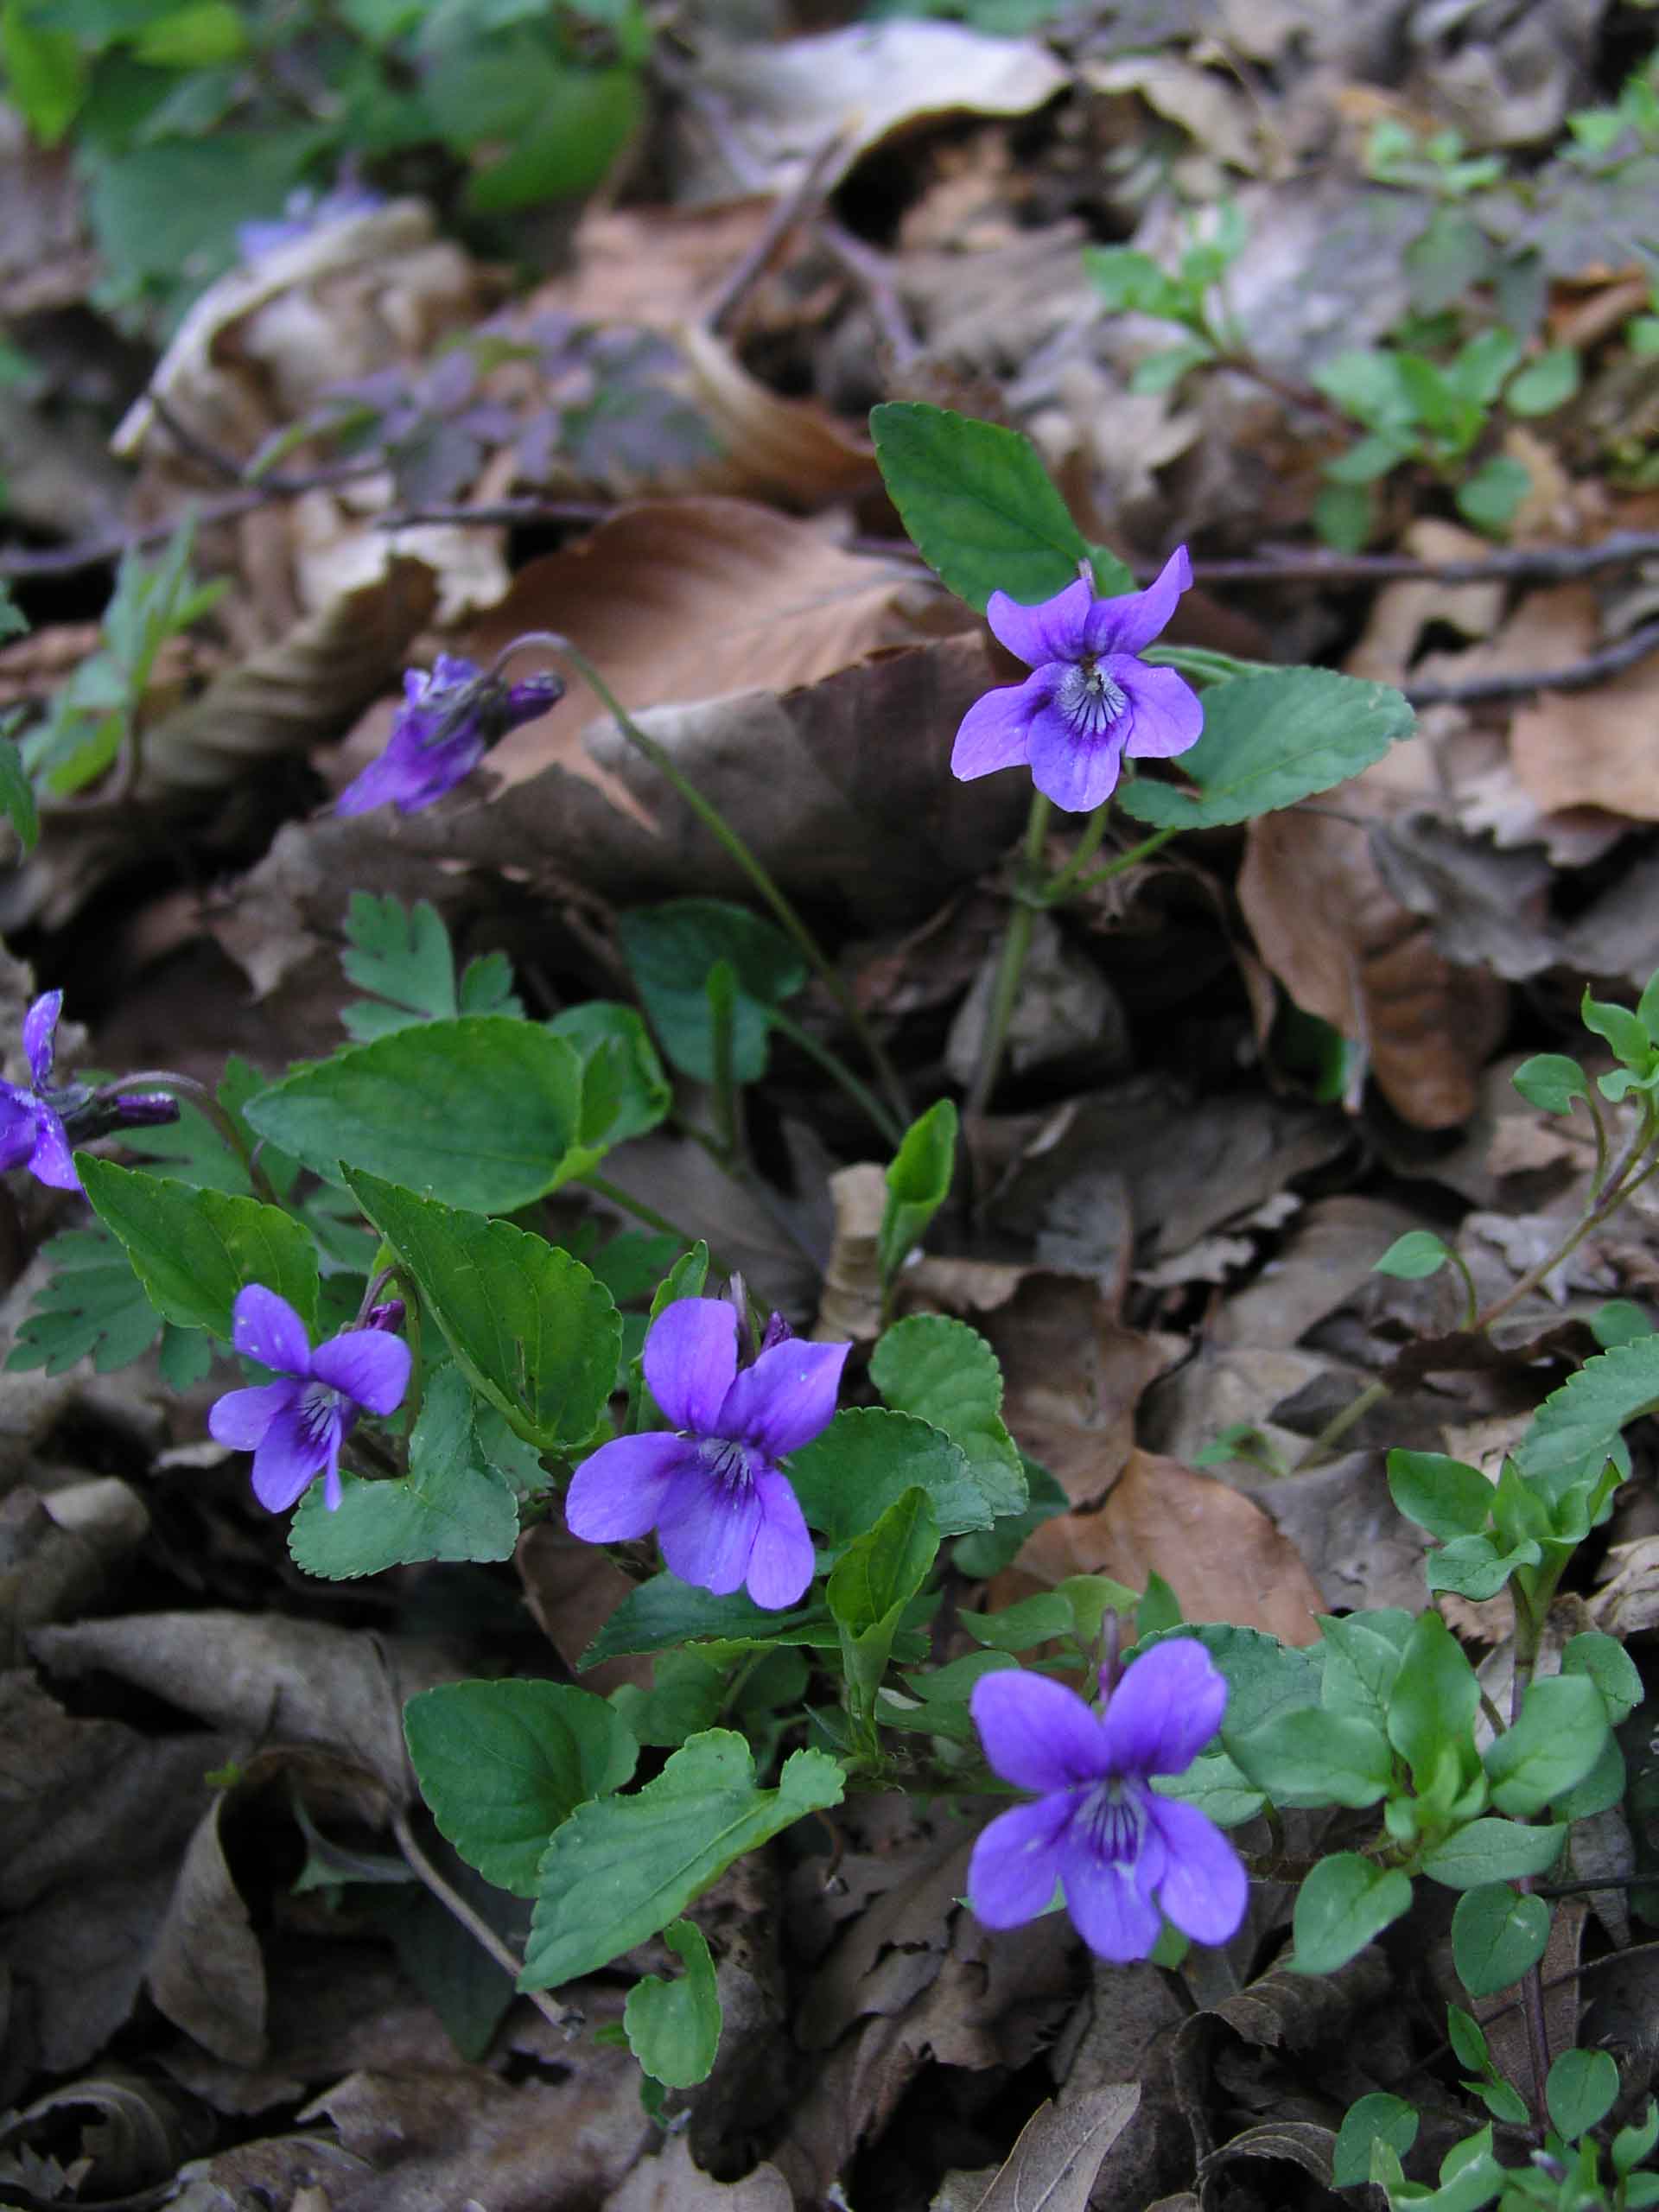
388, 1316
777, 1332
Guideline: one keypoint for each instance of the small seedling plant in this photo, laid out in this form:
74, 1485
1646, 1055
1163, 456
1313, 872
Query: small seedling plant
419, 1369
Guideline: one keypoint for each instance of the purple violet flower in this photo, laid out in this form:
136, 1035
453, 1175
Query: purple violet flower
447, 722
32, 1133
295, 1428
1123, 1854
1092, 701
723, 1509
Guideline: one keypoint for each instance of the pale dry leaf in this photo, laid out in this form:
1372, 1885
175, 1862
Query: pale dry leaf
856, 87
1052, 2167
654, 267
572, 1589
1209, 107
793, 450
1402, 612
1217, 1549
851, 1305
1599, 747
672, 2181
207, 1973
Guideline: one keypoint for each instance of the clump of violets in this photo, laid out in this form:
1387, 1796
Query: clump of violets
1122, 1853
1092, 701
295, 1426
40, 1126
723, 1508
447, 722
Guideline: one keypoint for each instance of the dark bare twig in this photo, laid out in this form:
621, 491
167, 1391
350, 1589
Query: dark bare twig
279, 483
872, 271
796, 205
1504, 564
1577, 676
498, 512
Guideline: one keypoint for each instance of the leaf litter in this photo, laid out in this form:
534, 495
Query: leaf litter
1241, 1079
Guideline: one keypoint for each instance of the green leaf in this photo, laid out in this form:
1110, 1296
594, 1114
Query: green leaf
625, 1092
945, 1372
1435, 1699
1625, 1031
867, 1460
1632, 2144
1447, 1497
502, 1765
919, 1183
1270, 740
529, 1326
1544, 383
1496, 1934
1491, 496
1556, 1740
194, 1251
1610, 1667
1551, 1081
1492, 1851
1580, 2090
1344, 516
1362, 1658
1474, 1567
46, 74
453, 1504
17, 791
1411, 1257
878, 1574
1264, 1676
977, 503
1312, 1756
1217, 1787
673, 2027
1035, 1620
1342, 1905
1366, 385
1577, 1429
403, 956
92, 1302
621, 1868
670, 950
1133, 282
664, 1613
687, 1692
478, 1111
1378, 2118
1157, 372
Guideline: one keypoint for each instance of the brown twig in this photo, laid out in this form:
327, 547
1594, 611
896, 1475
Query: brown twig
872, 271
1577, 676
496, 512
795, 207
476, 1926
1504, 564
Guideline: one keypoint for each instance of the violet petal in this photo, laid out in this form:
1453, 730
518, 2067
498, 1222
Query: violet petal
1108, 1908
39, 1023
1165, 714
1129, 623
780, 1564
691, 1357
241, 1418
618, 1491
265, 1327
52, 1161
1166, 1709
1204, 1888
995, 731
1077, 769
1036, 1731
19, 1112
299, 1444
1016, 1863
708, 1529
785, 1399
371, 1367
1055, 629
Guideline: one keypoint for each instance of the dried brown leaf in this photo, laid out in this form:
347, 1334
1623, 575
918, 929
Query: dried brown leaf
672, 2181
1052, 2167
206, 1972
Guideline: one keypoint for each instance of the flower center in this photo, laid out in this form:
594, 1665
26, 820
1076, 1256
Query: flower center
319, 1409
1113, 1820
1089, 699
726, 1462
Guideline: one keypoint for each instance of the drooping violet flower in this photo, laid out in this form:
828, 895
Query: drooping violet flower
1121, 1852
447, 722
305, 212
295, 1428
1092, 701
32, 1132
723, 1509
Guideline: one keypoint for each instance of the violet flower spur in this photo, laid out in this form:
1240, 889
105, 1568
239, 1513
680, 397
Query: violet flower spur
295, 1428
447, 722
723, 1509
1123, 1854
1093, 702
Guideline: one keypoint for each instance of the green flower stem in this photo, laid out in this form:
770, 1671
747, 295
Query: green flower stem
602, 1187
1063, 886
1015, 946
1625, 1179
1529, 1606
838, 1071
1338, 1426
726, 1093
1088, 846
734, 846
206, 1104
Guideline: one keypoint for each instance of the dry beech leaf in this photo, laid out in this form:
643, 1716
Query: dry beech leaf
1599, 747
1061, 2148
791, 449
1219, 1551
654, 267
206, 1972
672, 2181
852, 1302
856, 86
573, 1589
1344, 949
